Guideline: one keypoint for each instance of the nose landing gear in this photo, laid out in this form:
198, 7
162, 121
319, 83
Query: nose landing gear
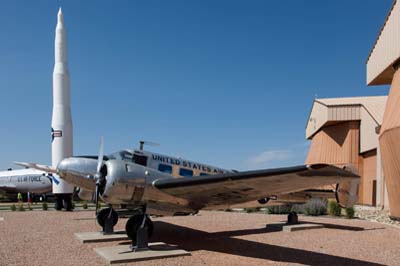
139, 229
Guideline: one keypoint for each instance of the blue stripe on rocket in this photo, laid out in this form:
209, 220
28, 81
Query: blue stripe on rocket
55, 180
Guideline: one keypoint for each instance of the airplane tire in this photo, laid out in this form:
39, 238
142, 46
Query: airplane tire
102, 216
133, 224
293, 218
263, 200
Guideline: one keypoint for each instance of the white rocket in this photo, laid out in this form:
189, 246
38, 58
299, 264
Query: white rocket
61, 124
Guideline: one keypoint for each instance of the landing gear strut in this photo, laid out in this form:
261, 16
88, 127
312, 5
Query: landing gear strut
139, 229
107, 219
292, 218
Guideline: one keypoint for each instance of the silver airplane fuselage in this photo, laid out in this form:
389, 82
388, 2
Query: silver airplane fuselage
24, 181
129, 176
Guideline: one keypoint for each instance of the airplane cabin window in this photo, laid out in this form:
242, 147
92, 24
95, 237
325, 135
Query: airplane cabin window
203, 174
140, 159
185, 172
165, 168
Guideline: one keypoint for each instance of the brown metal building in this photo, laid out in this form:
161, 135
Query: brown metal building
343, 131
383, 67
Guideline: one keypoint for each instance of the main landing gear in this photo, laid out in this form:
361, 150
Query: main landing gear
139, 229
292, 218
107, 219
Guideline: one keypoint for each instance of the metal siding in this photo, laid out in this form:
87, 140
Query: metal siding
368, 177
337, 144
386, 50
389, 145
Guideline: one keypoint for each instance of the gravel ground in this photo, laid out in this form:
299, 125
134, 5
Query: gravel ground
375, 214
214, 238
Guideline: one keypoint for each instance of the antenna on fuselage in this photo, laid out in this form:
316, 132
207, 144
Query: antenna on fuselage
149, 143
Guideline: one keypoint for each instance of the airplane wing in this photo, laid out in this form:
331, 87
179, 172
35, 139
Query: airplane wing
232, 188
41, 167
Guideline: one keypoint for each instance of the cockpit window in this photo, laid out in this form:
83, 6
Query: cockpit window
165, 168
140, 159
121, 155
185, 172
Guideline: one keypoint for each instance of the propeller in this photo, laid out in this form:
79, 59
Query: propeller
98, 176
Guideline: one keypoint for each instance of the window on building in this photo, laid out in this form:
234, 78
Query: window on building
165, 168
185, 172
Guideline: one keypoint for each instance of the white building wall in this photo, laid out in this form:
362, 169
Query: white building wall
368, 136
318, 117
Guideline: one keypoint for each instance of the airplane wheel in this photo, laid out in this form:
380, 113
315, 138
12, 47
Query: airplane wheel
133, 224
293, 218
103, 214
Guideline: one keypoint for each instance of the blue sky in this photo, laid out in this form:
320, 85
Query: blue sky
228, 83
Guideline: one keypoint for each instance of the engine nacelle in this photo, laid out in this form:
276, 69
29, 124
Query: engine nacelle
346, 193
125, 183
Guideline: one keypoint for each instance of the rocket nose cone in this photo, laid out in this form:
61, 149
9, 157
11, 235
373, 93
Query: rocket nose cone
60, 16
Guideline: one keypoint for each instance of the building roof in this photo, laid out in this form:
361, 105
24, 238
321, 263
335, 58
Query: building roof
375, 105
386, 49
368, 110
381, 29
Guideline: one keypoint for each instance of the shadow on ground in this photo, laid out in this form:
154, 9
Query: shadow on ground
192, 240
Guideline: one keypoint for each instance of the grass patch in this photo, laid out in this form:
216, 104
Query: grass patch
350, 212
21, 207
334, 208
250, 210
279, 209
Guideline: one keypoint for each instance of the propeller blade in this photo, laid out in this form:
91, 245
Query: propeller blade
101, 155
96, 196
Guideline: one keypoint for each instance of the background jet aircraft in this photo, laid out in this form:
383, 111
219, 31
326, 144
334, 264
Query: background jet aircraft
143, 183
24, 181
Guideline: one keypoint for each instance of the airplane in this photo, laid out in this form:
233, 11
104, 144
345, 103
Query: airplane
140, 183
24, 181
